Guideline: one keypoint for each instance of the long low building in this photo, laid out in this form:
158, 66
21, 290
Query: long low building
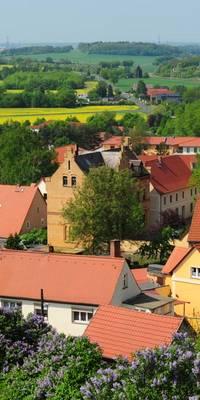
68, 289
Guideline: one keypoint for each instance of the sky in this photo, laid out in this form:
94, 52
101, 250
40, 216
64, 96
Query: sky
35, 21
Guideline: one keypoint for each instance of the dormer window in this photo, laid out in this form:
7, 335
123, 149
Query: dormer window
65, 181
73, 180
125, 281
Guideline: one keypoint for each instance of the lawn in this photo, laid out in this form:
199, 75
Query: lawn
126, 84
81, 113
88, 86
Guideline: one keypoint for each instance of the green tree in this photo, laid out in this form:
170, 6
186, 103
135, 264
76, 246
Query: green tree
161, 245
14, 242
138, 72
110, 91
106, 207
141, 89
23, 158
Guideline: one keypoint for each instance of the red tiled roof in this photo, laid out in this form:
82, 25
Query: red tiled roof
194, 232
113, 141
15, 202
122, 331
61, 151
152, 92
177, 255
65, 278
42, 125
171, 173
186, 141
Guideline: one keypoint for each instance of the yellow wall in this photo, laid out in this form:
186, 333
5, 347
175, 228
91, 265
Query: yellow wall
57, 196
186, 288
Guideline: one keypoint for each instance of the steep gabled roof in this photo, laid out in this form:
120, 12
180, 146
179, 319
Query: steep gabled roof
15, 202
194, 232
121, 332
171, 173
177, 255
64, 278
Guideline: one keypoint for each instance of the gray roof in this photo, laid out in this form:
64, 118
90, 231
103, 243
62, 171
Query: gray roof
89, 160
147, 301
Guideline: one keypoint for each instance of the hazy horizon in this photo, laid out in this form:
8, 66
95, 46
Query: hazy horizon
64, 21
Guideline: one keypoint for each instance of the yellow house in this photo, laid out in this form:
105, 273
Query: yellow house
70, 175
182, 274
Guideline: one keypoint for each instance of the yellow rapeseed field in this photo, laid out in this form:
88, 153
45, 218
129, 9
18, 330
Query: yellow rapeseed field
81, 113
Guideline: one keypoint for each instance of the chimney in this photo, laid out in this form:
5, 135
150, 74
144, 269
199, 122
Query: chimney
115, 250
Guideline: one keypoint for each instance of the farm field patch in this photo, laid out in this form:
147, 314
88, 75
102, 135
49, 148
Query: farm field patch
76, 56
126, 84
81, 113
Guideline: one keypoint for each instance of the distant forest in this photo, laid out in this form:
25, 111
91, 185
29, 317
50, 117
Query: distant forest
37, 50
138, 49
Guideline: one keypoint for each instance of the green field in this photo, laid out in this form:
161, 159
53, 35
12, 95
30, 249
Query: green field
127, 84
81, 113
84, 58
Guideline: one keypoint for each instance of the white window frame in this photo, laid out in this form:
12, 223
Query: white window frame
195, 272
11, 304
83, 311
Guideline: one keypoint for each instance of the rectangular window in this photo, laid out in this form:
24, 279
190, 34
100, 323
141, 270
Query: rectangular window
183, 195
69, 165
195, 190
191, 192
65, 181
38, 310
81, 316
73, 180
176, 196
28, 225
170, 198
125, 281
191, 207
176, 210
164, 201
11, 304
195, 272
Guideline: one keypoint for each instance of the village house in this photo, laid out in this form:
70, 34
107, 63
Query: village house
22, 208
70, 175
172, 145
68, 289
170, 187
157, 95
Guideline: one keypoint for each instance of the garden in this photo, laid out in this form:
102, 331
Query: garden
38, 363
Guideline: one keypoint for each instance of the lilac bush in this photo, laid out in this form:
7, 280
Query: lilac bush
166, 373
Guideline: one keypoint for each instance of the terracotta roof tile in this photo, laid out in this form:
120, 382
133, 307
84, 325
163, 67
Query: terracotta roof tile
177, 255
121, 331
140, 274
65, 278
158, 91
171, 173
194, 232
15, 202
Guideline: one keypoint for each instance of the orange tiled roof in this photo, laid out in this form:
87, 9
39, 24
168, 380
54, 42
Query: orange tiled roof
122, 331
140, 274
15, 202
114, 141
194, 232
64, 278
177, 255
186, 141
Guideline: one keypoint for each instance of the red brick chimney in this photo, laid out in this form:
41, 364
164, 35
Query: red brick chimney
115, 250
